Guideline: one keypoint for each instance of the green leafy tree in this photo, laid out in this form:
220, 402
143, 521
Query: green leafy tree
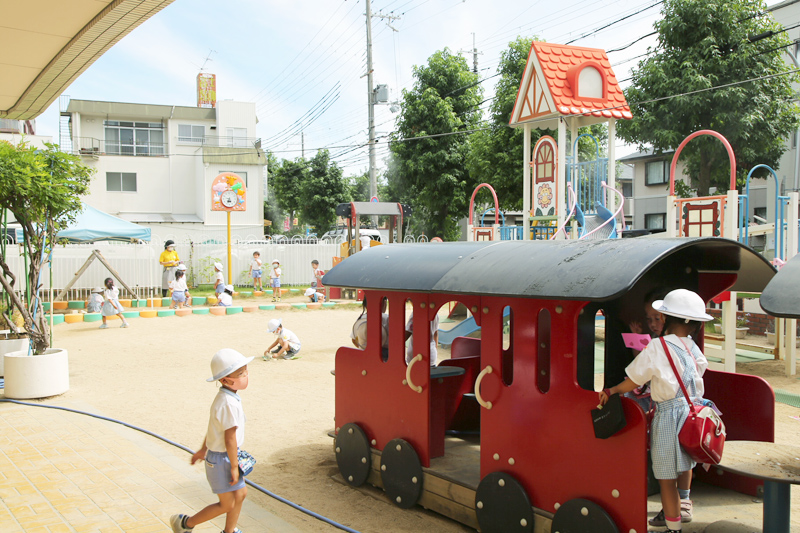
427, 168
42, 189
323, 189
286, 183
704, 44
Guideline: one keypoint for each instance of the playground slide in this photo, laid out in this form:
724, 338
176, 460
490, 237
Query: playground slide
462, 329
590, 222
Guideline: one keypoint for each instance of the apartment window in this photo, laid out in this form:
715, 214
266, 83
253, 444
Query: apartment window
121, 181
655, 221
190, 133
237, 137
627, 189
134, 138
656, 172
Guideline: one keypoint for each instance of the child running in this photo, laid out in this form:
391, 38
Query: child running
112, 306
220, 448
255, 271
275, 280
286, 345
684, 313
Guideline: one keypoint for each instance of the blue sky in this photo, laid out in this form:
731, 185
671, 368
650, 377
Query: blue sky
287, 56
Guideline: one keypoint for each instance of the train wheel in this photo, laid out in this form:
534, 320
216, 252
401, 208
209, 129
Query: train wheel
352, 454
579, 515
401, 473
502, 505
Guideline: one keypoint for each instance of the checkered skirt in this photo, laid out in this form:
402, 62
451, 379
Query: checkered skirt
669, 459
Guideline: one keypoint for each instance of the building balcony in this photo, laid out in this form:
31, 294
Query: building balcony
89, 146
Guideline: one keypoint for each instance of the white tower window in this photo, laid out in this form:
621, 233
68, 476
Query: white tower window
590, 83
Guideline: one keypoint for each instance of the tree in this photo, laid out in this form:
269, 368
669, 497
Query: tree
704, 44
322, 190
286, 182
42, 189
428, 154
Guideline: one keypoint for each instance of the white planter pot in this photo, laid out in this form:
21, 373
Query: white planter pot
10, 345
771, 338
741, 332
36, 376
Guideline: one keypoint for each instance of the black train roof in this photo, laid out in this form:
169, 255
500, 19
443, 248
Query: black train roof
781, 298
588, 270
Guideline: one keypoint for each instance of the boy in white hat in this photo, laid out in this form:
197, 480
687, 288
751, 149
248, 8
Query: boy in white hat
219, 280
314, 295
286, 344
221, 444
275, 280
684, 312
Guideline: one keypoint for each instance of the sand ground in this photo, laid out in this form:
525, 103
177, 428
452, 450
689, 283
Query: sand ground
153, 375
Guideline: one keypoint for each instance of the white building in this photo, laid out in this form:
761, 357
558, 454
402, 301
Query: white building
788, 14
16, 131
156, 163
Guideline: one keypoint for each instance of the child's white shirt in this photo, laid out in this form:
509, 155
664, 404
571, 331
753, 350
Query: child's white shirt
256, 264
317, 275
96, 298
434, 352
220, 277
226, 412
652, 365
225, 299
291, 338
275, 272
179, 284
111, 294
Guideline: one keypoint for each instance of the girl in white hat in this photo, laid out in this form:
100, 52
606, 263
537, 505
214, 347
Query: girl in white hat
684, 312
221, 444
275, 280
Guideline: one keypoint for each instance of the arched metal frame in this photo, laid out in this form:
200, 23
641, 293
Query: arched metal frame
780, 205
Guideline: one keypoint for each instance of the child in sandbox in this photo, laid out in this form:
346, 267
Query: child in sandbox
286, 344
95, 301
112, 306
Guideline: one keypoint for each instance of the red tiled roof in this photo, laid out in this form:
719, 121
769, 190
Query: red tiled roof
557, 59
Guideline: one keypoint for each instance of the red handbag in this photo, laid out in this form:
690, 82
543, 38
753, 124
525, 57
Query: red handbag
702, 436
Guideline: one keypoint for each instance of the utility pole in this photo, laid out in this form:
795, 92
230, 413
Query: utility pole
303, 144
475, 54
373, 183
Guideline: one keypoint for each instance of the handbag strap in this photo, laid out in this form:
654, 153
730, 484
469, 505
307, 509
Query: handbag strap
680, 381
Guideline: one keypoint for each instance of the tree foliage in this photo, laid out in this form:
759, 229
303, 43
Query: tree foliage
285, 183
322, 190
427, 168
42, 189
704, 44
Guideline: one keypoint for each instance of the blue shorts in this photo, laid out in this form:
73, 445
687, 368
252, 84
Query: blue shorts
178, 296
219, 289
256, 274
218, 473
275, 282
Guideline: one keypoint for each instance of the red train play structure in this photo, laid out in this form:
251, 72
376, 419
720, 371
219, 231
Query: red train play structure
500, 436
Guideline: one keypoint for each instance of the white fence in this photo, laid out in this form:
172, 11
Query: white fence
138, 264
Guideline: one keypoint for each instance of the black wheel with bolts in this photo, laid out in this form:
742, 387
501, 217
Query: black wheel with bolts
579, 515
502, 505
353, 454
401, 473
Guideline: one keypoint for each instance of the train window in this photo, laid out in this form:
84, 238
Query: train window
587, 347
543, 351
385, 329
508, 346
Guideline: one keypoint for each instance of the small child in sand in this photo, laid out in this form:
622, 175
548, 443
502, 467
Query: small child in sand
255, 271
275, 280
95, 300
314, 295
226, 298
221, 444
112, 306
286, 345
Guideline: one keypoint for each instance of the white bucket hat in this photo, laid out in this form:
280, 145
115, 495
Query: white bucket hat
218, 265
225, 362
310, 291
181, 267
229, 288
276, 261
683, 304
97, 290
273, 325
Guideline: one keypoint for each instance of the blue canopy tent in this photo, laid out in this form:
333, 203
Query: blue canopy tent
93, 225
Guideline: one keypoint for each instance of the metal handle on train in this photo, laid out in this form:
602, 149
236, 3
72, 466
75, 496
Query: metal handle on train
487, 370
415, 388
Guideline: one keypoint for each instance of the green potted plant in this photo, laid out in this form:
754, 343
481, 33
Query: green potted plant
41, 190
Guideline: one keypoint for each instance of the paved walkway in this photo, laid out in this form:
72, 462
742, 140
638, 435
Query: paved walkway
65, 472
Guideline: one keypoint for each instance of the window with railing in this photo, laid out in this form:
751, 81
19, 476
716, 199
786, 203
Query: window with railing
134, 138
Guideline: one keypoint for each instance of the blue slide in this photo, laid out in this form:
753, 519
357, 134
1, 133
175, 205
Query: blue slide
462, 329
